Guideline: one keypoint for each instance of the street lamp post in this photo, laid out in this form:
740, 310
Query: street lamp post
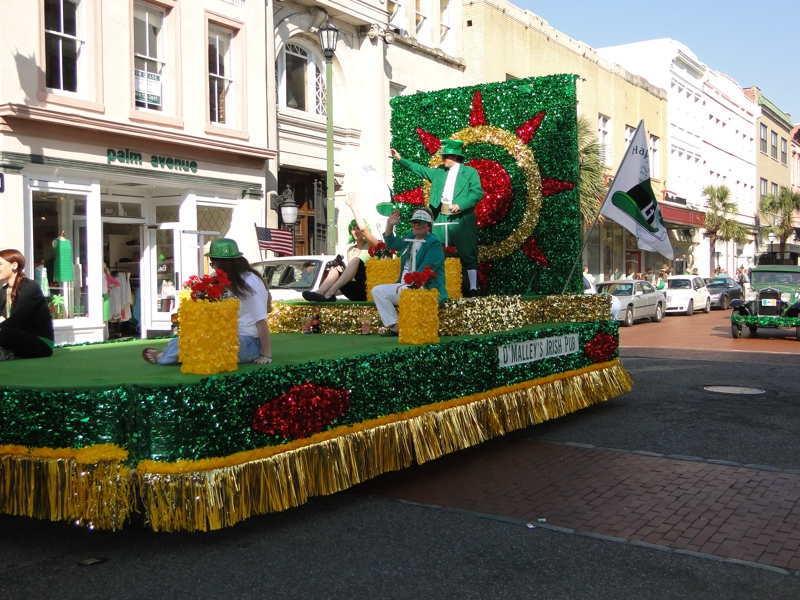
771, 237
328, 36
285, 205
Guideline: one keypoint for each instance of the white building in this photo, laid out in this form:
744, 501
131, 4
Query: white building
385, 49
730, 159
125, 129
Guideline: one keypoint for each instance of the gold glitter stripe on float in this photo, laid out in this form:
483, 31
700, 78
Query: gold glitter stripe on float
89, 486
459, 316
214, 493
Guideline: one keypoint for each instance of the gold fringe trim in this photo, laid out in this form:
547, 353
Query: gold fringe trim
221, 496
89, 486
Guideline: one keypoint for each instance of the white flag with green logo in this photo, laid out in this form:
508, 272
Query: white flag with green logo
631, 201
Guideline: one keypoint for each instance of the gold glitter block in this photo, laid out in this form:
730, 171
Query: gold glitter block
208, 341
418, 316
452, 276
380, 271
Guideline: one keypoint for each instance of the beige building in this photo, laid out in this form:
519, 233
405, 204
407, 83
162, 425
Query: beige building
131, 134
385, 48
502, 41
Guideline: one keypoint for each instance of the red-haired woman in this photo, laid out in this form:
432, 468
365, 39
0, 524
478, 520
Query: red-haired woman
26, 327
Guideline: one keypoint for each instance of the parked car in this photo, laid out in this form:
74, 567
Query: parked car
723, 290
638, 300
686, 293
589, 288
772, 301
290, 276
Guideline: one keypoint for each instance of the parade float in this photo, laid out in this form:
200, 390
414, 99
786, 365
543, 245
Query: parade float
97, 436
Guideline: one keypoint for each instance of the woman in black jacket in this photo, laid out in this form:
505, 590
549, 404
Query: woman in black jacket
26, 327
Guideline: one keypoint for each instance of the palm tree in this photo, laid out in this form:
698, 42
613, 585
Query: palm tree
591, 162
719, 225
782, 208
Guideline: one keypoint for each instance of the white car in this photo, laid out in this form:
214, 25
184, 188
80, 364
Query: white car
589, 288
290, 276
686, 294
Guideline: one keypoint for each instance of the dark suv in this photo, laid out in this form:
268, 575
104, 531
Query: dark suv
773, 300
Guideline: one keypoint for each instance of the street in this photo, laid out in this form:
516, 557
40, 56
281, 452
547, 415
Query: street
670, 491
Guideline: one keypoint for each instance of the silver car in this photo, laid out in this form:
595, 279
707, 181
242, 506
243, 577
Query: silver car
638, 299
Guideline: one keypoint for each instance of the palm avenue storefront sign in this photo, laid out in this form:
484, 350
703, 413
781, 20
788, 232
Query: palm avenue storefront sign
128, 157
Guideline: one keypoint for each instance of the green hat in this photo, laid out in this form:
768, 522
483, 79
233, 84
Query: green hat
224, 248
454, 147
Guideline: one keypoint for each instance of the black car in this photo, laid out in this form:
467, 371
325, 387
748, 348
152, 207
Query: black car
722, 291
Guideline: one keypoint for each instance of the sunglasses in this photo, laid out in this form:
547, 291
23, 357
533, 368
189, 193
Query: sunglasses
417, 222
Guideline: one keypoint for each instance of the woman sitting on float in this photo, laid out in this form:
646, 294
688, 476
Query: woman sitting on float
251, 290
350, 279
420, 249
26, 326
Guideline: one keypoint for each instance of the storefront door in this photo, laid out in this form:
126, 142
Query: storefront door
163, 258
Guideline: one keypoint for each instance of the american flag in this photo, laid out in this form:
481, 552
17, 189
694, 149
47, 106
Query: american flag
277, 240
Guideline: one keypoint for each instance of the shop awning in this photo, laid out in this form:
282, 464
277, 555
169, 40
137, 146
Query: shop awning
678, 215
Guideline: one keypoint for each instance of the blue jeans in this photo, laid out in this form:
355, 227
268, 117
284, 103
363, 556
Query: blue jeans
249, 350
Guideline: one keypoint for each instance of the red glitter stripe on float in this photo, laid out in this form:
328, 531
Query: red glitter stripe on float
477, 116
430, 141
484, 272
527, 130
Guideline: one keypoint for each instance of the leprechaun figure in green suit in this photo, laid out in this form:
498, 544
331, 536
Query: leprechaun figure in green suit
455, 190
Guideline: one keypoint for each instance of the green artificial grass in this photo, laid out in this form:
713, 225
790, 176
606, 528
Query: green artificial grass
107, 366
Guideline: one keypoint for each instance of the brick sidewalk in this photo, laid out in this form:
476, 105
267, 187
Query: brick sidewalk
729, 511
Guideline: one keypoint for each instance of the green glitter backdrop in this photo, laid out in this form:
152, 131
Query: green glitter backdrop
507, 106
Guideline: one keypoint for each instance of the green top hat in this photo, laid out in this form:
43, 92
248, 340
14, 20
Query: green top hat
224, 248
454, 147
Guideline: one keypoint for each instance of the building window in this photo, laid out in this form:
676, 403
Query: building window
774, 146
783, 151
220, 82
396, 14
148, 56
655, 157
629, 131
604, 136
301, 80
774, 191
763, 187
764, 139
395, 90
62, 43
421, 15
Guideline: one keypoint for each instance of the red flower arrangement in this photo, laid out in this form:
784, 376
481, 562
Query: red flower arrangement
207, 287
380, 250
450, 251
419, 279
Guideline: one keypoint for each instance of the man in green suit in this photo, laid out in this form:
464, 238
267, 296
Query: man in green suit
455, 190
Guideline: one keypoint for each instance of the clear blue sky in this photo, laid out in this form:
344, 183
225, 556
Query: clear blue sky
756, 43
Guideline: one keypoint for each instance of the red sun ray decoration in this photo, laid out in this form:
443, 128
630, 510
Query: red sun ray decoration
430, 141
477, 117
531, 249
551, 187
527, 130
414, 196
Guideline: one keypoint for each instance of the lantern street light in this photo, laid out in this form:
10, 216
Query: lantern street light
771, 237
286, 207
328, 36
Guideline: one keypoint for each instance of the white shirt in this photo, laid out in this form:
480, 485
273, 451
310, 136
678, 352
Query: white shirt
450, 184
252, 308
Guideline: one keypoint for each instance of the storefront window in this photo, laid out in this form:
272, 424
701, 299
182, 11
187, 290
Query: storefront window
166, 277
593, 251
60, 253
